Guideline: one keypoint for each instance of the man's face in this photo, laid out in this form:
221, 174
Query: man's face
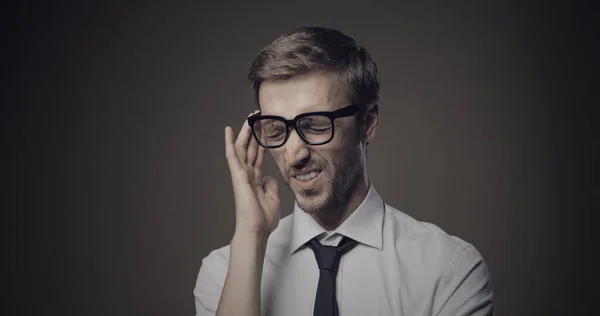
321, 177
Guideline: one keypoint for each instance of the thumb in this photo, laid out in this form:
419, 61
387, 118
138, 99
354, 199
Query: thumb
270, 188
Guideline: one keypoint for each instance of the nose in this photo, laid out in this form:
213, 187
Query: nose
296, 150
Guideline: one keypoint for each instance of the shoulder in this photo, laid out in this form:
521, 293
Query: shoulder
405, 228
434, 247
213, 269
454, 267
210, 281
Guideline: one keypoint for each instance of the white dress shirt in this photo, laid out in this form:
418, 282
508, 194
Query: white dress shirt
401, 266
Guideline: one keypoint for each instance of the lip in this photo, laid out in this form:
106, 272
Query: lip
307, 184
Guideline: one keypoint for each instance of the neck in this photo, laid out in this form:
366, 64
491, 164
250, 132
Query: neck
332, 220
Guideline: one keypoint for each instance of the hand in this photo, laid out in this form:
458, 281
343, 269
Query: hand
256, 198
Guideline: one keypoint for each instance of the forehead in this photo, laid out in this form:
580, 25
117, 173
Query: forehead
300, 94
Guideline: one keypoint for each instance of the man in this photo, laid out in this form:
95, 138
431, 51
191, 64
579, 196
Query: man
343, 251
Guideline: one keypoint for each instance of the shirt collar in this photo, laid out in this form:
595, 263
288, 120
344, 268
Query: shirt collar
364, 225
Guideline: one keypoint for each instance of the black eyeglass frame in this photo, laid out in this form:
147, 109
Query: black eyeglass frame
347, 111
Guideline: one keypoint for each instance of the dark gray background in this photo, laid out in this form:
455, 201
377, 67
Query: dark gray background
117, 179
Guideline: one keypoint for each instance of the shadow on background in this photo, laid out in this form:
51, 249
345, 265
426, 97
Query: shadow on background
118, 184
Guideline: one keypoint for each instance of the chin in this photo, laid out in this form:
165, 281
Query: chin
311, 208
312, 201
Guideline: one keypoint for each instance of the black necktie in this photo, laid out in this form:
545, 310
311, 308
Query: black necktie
328, 259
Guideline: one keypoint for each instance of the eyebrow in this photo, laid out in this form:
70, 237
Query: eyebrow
311, 111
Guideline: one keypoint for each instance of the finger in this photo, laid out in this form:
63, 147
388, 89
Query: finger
230, 152
259, 157
270, 188
252, 151
241, 144
257, 177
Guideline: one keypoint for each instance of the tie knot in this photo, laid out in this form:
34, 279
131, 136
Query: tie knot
328, 257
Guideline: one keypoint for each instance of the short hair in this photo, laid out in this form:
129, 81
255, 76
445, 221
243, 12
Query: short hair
320, 49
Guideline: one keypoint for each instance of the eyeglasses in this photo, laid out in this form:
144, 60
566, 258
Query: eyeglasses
315, 128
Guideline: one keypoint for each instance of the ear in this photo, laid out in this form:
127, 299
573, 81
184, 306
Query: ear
371, 122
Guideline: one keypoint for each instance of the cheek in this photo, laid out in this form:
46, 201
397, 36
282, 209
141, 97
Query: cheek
339, 155
328, 159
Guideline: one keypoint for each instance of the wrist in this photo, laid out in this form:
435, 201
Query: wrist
251, 231
250, 236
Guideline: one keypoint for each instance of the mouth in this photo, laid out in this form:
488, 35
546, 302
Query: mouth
307, 178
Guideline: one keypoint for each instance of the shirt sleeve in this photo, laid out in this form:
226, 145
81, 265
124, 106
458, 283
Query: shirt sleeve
466, 286
207, 290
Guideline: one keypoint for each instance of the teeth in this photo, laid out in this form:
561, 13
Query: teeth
307, 176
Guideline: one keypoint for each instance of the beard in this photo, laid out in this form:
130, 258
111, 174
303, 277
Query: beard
346, 172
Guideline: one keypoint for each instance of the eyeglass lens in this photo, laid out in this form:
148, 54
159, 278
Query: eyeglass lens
315, 129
